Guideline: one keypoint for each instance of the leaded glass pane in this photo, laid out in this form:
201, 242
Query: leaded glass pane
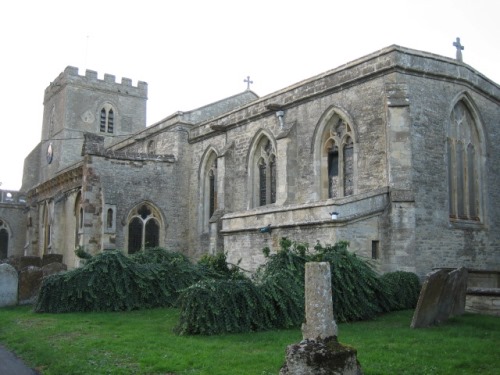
152, 234
134, 235
262, 183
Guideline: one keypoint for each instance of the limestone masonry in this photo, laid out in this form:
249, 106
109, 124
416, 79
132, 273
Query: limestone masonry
404, 145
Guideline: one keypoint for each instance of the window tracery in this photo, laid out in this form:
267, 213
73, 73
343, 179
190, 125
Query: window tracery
463, 149
143, 228
337, 159
265, 173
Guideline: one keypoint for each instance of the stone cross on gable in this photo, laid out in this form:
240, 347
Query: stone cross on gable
459, 49
248, 82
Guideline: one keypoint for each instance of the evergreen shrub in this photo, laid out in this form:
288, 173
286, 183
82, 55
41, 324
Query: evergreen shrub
216, 266
357, 293
404, 287
215, 306
275, 299
111, 281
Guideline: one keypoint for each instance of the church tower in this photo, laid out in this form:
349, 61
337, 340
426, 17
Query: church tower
75, 105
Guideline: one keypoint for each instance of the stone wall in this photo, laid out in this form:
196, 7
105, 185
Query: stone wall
12, 223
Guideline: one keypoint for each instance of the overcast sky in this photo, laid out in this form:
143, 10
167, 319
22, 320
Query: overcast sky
193, 52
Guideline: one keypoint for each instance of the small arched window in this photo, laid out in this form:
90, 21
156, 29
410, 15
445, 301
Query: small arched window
109, 218
107, 119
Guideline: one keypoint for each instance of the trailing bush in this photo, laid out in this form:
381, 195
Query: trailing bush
111, 281
356, 290
404, 287
283, 295
216, 306
216, 266
228, 305
175, 269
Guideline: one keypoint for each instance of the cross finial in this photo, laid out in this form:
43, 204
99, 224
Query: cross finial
459, 49
248, 82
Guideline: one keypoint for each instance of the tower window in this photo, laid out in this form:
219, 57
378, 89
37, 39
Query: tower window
107, 120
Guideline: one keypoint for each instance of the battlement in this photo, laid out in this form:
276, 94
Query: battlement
90, 80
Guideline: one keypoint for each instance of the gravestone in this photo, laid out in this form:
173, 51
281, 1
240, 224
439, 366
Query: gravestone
8, 285
319, 352
30, 279
442, 295
51, 258
453, 295
14, 262
53, 268
30, 260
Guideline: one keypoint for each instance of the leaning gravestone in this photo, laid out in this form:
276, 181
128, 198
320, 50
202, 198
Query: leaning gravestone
452, 301
319, 352
442, 295
30, 279
8, 285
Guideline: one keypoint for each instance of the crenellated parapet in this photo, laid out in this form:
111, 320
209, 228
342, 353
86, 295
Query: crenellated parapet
90, 81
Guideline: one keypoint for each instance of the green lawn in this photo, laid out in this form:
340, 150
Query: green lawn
142, 342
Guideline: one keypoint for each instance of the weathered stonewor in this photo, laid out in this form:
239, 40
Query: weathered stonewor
319, 352
30, 279
8, 285
442, 296
51, 258
53, 268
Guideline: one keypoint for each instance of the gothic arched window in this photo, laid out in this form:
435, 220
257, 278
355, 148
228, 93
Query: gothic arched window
143, 228
336, 158
263, 173
107, 119
463, 148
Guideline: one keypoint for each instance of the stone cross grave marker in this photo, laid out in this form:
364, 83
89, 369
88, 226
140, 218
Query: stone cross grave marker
319, 322
319, 352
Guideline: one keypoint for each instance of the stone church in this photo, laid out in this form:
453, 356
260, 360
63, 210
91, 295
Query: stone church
397, 152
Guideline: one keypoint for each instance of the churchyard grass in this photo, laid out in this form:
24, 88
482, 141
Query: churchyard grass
142, 342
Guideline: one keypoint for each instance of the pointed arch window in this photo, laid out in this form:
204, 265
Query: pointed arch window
337, 163
208, 189
107, 119
143, 228
463, 148
264, 173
